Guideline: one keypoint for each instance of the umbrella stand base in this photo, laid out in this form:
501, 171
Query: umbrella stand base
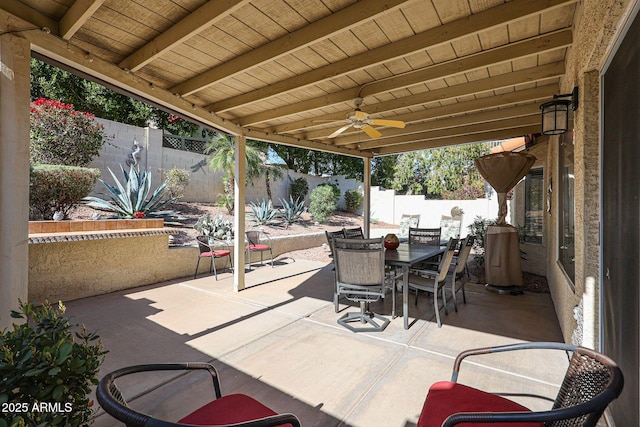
504, 290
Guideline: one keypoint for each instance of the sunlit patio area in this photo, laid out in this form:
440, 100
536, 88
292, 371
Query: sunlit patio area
278, 341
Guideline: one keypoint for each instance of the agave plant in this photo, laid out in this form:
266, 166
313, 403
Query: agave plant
291, 211
263, 213
129, 199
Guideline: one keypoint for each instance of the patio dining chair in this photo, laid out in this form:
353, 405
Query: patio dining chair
360, 277
426, 236
258, 241
433, 281
460, 268
212, 248
233, 409
353, 233
406, 222
591, 382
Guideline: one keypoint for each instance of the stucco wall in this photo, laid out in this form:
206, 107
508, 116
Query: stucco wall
77, 269
596, 23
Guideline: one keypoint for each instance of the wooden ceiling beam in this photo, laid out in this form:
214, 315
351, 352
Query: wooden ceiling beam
461, 120
515, 122
499, 15
527, 75
496, 101
457, 140
340, 21
77, 15
194, 23
9, 10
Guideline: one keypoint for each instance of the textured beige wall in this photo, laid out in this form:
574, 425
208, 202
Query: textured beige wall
77, 269
596, 24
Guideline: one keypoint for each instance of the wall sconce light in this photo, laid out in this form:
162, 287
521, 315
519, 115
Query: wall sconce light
555, 114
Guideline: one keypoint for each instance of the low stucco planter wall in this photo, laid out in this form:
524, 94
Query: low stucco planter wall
67, 267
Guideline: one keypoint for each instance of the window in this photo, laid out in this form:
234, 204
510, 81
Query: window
533, 206
566, 213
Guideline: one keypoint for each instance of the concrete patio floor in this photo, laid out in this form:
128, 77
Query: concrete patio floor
279, 342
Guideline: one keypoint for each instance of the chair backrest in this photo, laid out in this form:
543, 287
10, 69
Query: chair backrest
253, 237
406, 222
359, 261
463, 254
592, 379
424, 236
203, 244
451, 226
353, 233
445, 261
331, 235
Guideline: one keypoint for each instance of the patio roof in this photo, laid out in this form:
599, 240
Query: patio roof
456, 71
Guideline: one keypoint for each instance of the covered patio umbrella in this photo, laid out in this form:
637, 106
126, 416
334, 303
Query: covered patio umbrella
502, 248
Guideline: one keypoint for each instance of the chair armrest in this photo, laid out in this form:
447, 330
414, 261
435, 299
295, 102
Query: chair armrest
113, 403
504, 348
599, 401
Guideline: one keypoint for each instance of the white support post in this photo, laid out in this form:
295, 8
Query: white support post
366, 202
238, 217
14, 173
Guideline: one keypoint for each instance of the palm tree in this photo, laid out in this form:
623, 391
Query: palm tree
222, 160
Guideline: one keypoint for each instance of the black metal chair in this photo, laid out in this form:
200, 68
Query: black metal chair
212, 248
236, 410
360, 277
331, 235
591, 382
425, 236
258, 241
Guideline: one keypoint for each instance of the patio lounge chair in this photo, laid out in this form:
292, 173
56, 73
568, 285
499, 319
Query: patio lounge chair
360, 277
233, 409
591, 382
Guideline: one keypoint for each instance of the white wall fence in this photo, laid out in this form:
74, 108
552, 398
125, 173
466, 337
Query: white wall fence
205, 185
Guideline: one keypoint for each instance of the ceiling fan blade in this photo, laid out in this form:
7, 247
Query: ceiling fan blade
339, 131
373, 133
391, 123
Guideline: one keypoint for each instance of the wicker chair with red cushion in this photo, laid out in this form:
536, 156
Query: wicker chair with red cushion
212, 248
591, 382
234, 409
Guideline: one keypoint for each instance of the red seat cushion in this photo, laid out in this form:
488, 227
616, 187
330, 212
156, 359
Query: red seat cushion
230, 409
446, 398
258, 247
221, 252
205, 254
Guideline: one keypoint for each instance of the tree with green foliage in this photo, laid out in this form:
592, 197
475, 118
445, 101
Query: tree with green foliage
223, 153
382, 170
51, 82
441, 173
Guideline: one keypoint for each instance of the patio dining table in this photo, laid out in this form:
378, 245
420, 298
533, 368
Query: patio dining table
405, 256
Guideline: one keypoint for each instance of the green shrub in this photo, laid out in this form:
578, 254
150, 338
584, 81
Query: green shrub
130, 200
177, 180
42, 363
353, 200
299, 188
334, 188
55, 188
479, 229
226, 200
62, 136
323, 203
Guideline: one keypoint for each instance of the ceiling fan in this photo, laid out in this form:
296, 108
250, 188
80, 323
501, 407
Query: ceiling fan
360, 120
